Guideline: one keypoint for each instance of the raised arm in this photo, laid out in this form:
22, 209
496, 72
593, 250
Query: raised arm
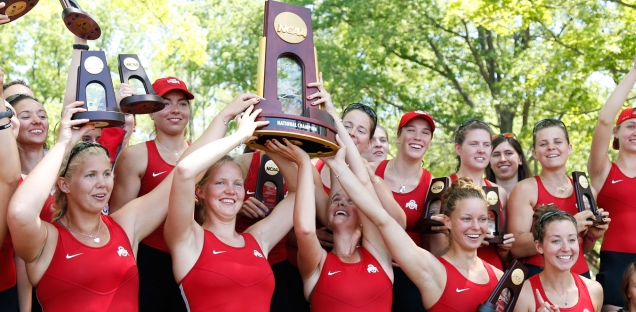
29, 232
519, 219
180, 227
420, 265
143, 215
598, 164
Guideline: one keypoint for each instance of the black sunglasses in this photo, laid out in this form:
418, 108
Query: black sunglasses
363, 107
471, 120
80, 147
549, 122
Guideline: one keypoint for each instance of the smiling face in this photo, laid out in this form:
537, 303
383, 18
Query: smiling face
379, 146
475, 151
560, 246
415, 138
505, 161
173, 119
342, 212
468, 222
223, 192
626, 135
89, 186
34, 122
551, 148
358, 124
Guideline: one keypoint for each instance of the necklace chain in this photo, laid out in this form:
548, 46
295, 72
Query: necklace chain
567, 293
90, 235
176, 154
402, 186
559, 190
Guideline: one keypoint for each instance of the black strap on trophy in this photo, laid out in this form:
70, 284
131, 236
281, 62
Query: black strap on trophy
506, 293
495, 224
130, 69
15, 9
269, 177
584, 197
78, 21
432, 206
95, 89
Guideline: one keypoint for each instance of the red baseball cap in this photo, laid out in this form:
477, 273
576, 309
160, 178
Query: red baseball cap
416, 114
167, 84
627, 113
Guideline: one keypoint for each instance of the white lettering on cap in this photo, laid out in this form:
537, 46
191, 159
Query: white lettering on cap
172, 80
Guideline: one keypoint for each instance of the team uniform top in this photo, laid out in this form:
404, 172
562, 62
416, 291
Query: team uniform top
278, 254
584, 303
615, 197
227, 278
460, 294
84, 278
412, 202
361, 286
565, 204
488, 253
320, 165
157, 169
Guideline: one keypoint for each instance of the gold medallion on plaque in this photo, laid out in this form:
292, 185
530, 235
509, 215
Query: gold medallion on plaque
583, 182
492, 198
16, 8
290, 27
437, 187
517, 276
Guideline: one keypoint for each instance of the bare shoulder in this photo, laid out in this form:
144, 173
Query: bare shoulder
525, 300
525, 192
133, 159
594, 288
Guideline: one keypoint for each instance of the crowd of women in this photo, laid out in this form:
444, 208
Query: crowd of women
172, 225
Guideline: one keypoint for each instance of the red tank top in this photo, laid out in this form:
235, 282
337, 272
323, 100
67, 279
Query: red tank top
278, 254
584, 303
157, 169
227, 278
488, 253
460, 294
615, 196
412, 202
568, 205
361, 286
7, 264
84, 278
320, 165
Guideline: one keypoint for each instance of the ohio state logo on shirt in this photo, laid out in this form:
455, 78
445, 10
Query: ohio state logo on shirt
122, 252
372, 269
258, 254
411, 205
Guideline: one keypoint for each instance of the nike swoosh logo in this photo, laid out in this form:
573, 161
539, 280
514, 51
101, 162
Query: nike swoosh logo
332, 273
460, 290
250, 193
616, 181
218, 252
73, 256
154, 175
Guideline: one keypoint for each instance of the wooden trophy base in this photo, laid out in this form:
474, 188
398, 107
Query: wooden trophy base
15, 9
495, 240
424, 226
102, 119
81, 24
141, 104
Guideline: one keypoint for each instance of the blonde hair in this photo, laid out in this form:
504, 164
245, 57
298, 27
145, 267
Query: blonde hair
199, 211
463, 188
61, 201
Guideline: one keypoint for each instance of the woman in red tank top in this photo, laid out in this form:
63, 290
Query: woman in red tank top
557, 288
508, 165
459, 281
615, 182
473, 148
378, 147
551, 147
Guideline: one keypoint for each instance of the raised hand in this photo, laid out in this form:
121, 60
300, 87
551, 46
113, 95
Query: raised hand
337, 162
288, 150
239, 105
3, 18
123, 91
545, 306
253, 208
596, 230
69, 133
582, 222
323, 97
247, 124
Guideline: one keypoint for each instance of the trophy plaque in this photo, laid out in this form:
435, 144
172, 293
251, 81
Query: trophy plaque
146, 101
506, 293
269, 184
584, 198
15, 9
495, 224
78, 21
286, 64
433, 206
95, 89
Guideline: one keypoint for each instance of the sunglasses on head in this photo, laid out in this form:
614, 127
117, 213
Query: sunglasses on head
471, 120
508, 135
363, 107
547, 121
80, 147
